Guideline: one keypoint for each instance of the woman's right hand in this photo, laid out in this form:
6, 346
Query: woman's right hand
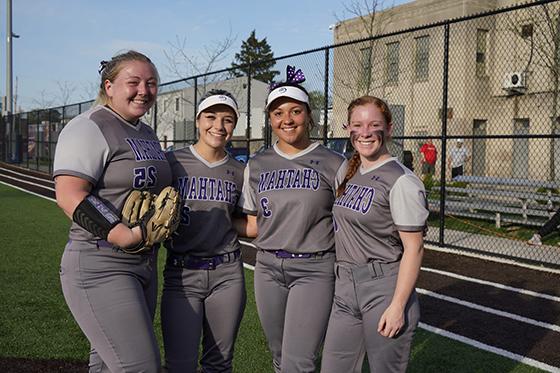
125, 237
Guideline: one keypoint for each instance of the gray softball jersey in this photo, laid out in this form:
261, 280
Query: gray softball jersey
113, 155
292, 196
376, 204
211, 192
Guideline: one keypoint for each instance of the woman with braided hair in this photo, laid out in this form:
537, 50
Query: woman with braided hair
290, 189
380, 216
101, 156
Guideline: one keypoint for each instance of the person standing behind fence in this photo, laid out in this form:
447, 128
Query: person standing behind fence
290, 188
458, 157
380, 216
550, 226
429, 158
101, 156
204, 286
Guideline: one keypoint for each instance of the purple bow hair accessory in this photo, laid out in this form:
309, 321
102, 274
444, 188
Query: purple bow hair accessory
293, 76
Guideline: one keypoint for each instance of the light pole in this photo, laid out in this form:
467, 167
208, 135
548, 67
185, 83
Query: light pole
9, 110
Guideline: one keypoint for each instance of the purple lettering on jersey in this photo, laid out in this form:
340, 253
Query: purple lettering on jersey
358, 198
192, 189
289, 180
315, 179
146, 149
296, 184
183, 186
280, 179
134, 147
262, 181
202, 181
219, 191
230, 188
211, 183
207, 189
369, 200
306, 178
272, 177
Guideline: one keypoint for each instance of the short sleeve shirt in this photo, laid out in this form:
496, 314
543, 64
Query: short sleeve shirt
292, 197
211, 193
430, 153
114, 155
376, 205
458, 156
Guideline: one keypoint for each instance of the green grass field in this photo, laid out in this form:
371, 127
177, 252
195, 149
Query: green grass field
36, 324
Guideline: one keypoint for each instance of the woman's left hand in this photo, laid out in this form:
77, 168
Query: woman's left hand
391, 321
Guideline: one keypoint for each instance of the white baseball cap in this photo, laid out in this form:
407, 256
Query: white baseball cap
287, 91
217, 100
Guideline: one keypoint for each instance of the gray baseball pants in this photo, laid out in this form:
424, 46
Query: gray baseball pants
294, 298
112, 295
362, 294
207, 302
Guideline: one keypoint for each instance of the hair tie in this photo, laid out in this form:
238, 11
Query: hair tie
102, 66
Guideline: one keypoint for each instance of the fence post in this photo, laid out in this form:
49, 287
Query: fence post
326, 102
248, 129
194, 108
444, 134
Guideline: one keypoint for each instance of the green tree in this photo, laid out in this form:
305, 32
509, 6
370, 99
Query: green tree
255, 50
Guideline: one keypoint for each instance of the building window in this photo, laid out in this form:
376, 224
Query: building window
177, 103
393, 63
481, 46
422, 60
365, 55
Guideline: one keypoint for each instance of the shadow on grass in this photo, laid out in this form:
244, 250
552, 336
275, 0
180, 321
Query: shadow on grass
26, 365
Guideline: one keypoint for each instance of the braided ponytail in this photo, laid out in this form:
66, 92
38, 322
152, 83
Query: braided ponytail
353, 166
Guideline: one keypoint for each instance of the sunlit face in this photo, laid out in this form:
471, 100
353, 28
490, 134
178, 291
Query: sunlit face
369, 132
289, 120
215, 125
133, 92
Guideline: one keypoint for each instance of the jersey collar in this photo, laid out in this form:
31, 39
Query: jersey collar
305, 151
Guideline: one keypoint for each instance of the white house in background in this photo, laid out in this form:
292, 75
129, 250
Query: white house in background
176, 109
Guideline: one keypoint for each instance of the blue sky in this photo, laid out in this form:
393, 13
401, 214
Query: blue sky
62, 41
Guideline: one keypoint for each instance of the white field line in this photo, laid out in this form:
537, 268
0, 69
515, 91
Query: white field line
25, 175
27, 191
471, 279
493, 311
491, 259
465, 340
493, 284
485, 347
27, 182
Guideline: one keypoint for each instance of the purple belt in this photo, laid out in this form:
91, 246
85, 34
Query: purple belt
283, 254
194, 262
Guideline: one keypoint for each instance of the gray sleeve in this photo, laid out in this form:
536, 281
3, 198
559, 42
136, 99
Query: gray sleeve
247, 200
408, 203
81, 150
340, 174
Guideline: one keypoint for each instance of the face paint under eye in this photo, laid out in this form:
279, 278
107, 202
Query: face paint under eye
379, 135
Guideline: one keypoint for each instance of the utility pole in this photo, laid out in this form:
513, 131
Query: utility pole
9, 110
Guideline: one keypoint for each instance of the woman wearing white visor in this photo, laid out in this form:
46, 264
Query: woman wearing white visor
204, 287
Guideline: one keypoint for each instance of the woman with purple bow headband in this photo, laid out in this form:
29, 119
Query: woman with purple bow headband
288, 192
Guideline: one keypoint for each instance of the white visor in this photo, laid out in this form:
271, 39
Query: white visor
217, 100
287, 91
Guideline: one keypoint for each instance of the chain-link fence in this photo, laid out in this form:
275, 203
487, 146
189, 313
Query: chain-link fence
481, 91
